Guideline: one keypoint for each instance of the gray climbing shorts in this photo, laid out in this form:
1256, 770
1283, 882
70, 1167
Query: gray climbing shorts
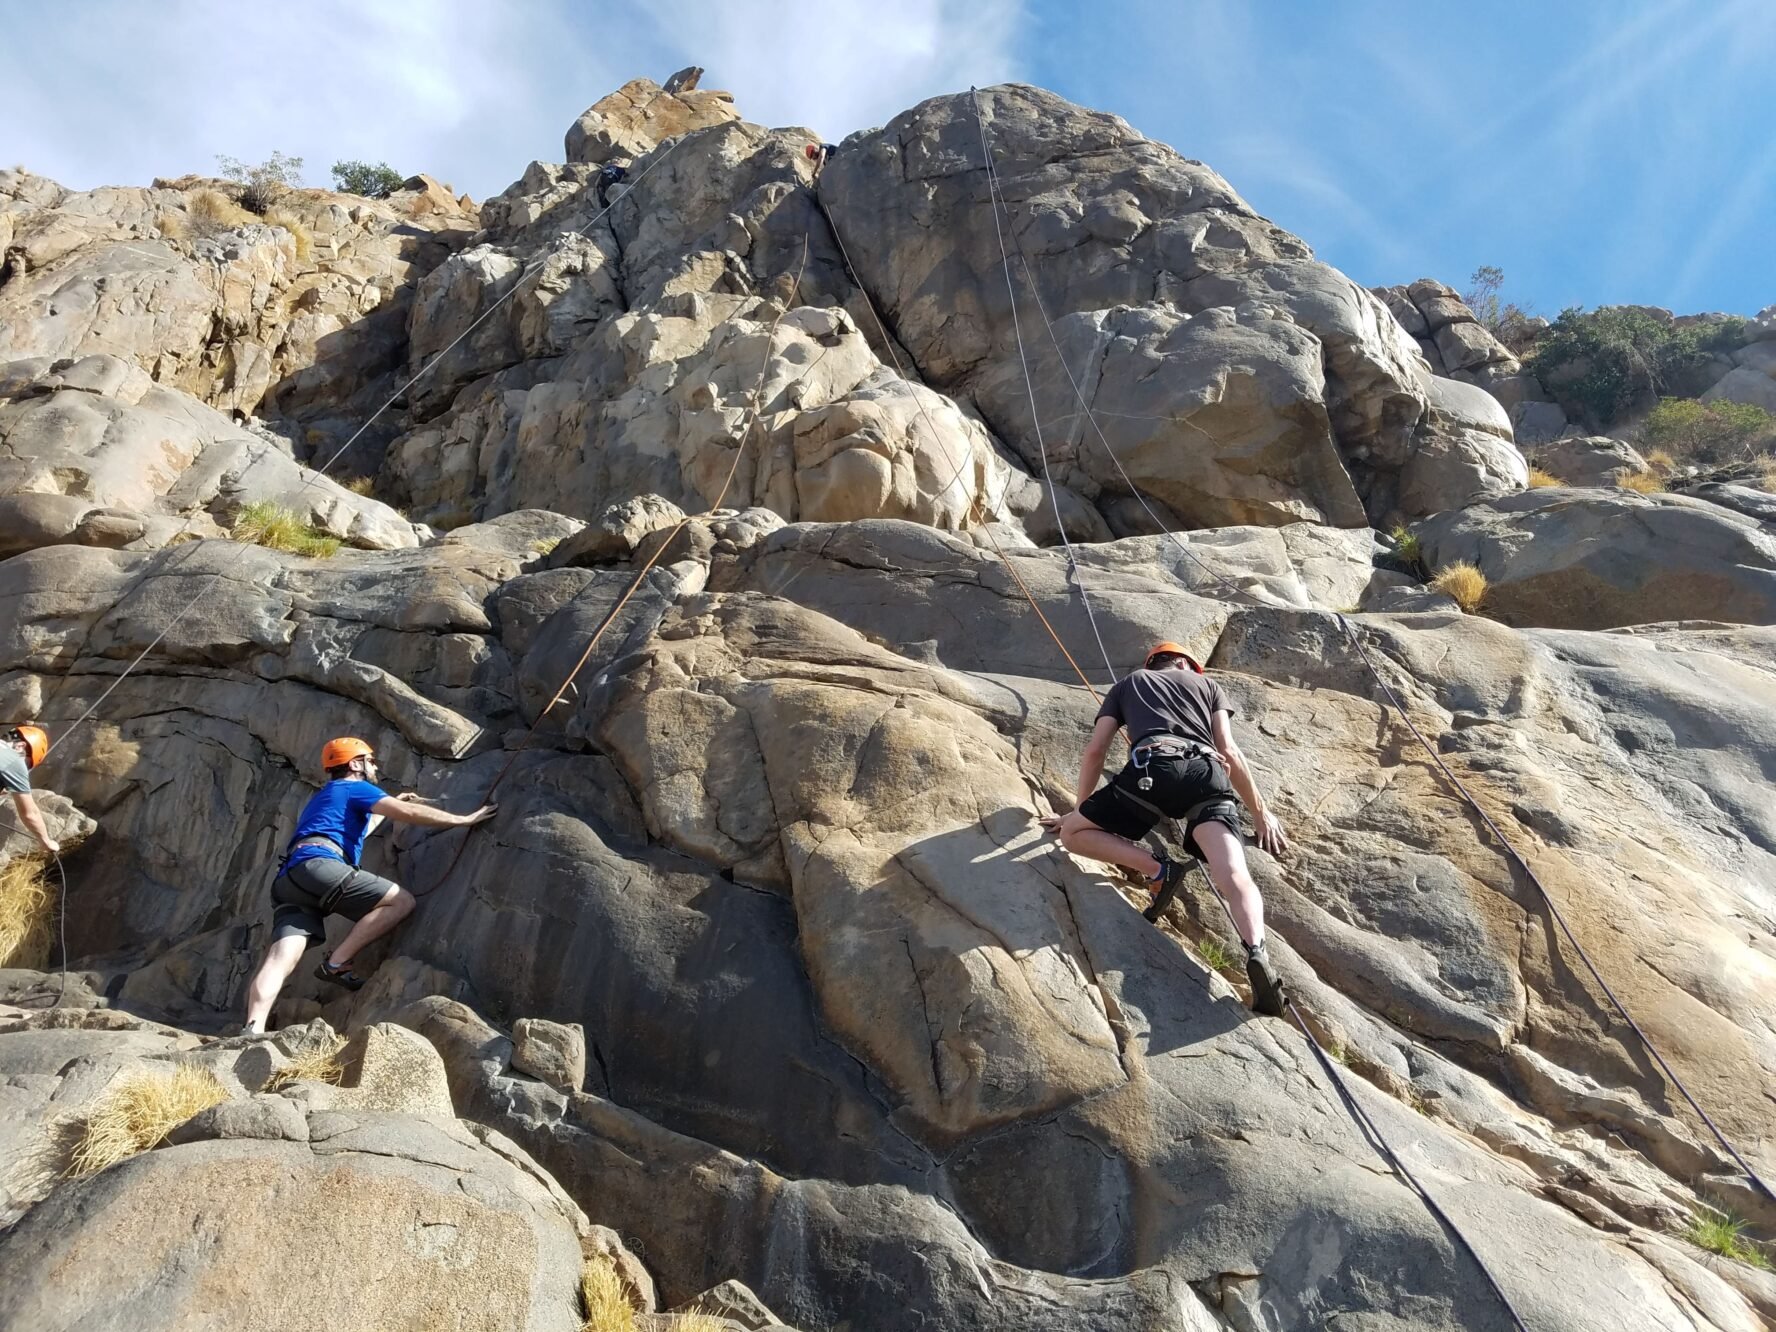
309, 891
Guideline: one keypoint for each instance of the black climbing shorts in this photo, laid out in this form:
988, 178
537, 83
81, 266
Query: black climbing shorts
1185, 786
311, 890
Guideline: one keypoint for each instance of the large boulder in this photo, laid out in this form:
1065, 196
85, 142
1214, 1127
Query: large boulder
98, 454
259, 1214
1232, 372
1598, 559
657, 403
1464, 452
641, 114
302, 312
1591, 460
1449, 334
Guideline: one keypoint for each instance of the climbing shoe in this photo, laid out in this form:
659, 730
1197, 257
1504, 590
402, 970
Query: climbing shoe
1164, 886
338, 975
1267, 986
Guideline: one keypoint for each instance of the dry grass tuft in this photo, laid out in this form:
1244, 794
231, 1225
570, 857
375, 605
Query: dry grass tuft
24, 913
263, 523
1661, 461
1217, 954
361, 485
215, 211
140, 1111
1542, 480
297, 228
699, 1322
543, 545
1463, 582
1724, 1233
1767, 474
173, 226
606, 1300
1642, 483
317, 1063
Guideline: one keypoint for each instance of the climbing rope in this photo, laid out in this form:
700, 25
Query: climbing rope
994, 203
313, 474
752, 420
1515, 857
995, 199
986, 526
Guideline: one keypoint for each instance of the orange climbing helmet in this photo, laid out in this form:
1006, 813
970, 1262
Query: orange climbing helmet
338, 753
1170, 650
36, 743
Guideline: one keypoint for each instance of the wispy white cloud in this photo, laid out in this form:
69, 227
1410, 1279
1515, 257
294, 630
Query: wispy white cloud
842, 65
118, 92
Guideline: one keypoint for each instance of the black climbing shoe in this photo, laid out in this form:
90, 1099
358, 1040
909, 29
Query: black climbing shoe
1165, 887
1267, 986
338, 976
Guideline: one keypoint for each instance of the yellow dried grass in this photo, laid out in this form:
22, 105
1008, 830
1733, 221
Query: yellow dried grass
1542, 480
279, 217
606, 1299
25, 917
216, 211
263, 523
140, 1111
317, 1063
1642, 483
1463, 582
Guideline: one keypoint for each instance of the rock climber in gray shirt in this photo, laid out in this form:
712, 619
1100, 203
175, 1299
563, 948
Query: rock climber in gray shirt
1183, 764
24, 749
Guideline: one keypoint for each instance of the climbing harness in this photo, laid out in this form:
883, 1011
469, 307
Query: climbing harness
1166, 745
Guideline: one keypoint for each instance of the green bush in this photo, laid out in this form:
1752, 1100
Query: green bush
1600, 365
372, 180
1709, 433
262, 184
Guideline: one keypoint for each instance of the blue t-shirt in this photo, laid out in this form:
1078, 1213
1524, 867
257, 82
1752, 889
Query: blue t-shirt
15, 773
339, 811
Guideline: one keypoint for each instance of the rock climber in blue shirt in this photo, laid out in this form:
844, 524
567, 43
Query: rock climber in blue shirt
320, 877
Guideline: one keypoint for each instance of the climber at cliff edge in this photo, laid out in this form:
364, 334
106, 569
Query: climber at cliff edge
1183, 764
24, 749
319, 875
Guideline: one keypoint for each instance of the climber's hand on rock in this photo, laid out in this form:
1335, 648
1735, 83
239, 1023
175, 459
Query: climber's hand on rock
1270, 834
481, 815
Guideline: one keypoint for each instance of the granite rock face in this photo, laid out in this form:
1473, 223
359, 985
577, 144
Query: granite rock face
766, 962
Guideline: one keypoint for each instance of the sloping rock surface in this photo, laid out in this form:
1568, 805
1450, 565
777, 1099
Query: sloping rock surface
856, 1032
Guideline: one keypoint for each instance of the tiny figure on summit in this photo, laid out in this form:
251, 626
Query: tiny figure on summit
319, 874
24, 749
1183, 764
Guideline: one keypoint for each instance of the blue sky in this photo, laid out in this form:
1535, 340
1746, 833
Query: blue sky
1597, 152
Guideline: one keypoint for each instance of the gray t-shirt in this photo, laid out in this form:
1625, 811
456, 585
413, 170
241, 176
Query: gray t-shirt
14, 775
1178, 702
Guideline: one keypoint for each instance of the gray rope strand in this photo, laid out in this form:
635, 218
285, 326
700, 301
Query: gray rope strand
994, 204
315, 473
1516, 858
